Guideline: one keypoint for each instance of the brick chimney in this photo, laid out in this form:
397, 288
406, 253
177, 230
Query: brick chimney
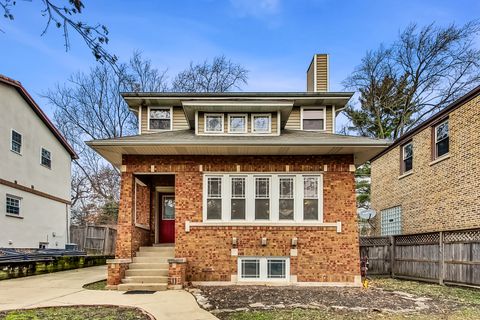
317, 73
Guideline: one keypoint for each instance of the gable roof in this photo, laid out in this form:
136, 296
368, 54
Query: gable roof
185, 142
28, 98
439, 116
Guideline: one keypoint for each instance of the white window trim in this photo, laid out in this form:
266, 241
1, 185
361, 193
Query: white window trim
274, 198
164, 108
244, 115
205, 115
41, 156
11, 140
8, 195
435, 140
269, 115
314, 108
263, 269
403, 171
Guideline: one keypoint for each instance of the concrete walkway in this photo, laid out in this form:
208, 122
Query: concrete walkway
65, 288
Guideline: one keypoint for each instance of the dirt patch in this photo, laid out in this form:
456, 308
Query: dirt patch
221, 300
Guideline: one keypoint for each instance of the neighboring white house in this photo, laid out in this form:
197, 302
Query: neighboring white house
34, 173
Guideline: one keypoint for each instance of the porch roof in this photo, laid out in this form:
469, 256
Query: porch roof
290, 142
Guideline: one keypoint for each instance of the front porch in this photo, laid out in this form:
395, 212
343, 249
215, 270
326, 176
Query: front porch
145, 252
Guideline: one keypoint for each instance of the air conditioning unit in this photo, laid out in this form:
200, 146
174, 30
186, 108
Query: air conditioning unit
71, 246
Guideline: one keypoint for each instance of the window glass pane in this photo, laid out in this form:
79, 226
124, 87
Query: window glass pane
407, 151
237, 123
408, 164
160, 114
442, 147
310, 209
442, 131
160, 124
46, 158
261, 123
250, 268
262, 208
214, 208
310, 124
168, 208
238, 187
214, 187
310, 187
262, 187
286, 209
16, 141
213, 123
391, 221
238, 209
286, 188
276, 269
313, 114
12, 205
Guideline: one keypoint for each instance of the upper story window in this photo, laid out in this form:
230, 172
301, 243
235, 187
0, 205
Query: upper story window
313, 119
407, 157
442, 137
46, 158
13, 205
261, 123
214, 122
237, 123
16, 145
160, 118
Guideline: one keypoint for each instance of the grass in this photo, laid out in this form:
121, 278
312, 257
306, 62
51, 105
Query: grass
300, 314
458, 294
99, 285
76, 313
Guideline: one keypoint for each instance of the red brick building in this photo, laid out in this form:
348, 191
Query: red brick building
238, 188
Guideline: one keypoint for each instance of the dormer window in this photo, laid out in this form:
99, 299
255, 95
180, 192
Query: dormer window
160, 119
261, 123
237, 123
313, 119
214, 122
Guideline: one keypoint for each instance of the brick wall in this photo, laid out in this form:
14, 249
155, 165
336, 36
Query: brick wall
440, 196
323, 254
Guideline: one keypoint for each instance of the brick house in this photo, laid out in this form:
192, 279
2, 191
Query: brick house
225, 188
427, 180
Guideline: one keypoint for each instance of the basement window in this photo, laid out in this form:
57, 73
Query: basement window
263, 268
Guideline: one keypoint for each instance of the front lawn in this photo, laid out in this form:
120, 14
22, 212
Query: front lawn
76, 313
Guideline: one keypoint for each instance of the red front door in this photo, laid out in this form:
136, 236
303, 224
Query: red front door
167, 218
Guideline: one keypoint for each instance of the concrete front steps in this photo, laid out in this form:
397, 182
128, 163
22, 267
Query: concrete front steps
149, 269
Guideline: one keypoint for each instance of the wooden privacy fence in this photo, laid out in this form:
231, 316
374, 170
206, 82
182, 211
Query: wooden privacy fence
94, 239
450, 257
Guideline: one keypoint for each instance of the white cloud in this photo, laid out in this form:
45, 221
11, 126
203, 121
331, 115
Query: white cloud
256, 8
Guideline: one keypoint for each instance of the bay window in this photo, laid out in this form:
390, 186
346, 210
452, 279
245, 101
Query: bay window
261, 197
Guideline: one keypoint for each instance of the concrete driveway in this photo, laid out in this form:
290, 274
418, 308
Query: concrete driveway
65, 288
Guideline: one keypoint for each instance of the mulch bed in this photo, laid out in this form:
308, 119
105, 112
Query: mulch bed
372, 299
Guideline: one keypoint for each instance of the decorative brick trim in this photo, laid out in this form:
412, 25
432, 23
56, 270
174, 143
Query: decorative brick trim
32, 191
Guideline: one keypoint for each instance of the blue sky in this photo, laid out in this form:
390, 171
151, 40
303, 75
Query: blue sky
274, 39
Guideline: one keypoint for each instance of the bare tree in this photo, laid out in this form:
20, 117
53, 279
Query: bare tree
423, 71
63, 17
219, 76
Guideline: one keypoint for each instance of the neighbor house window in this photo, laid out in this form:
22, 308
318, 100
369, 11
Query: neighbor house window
286, 198
214, 123
16, 142
238, 198
214, 198
261, 123
262, 198
46, 158
264, 268
237, 123
13, 205
407, 157
310, 198
442, 143
313, 119
160, 118
391, 221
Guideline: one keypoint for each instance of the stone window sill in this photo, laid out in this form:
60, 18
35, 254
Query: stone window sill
13, 216
406, 174
444, 157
